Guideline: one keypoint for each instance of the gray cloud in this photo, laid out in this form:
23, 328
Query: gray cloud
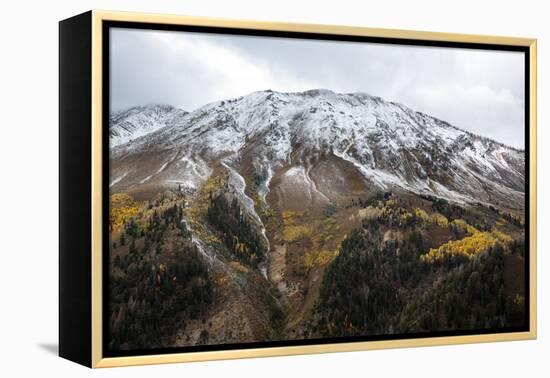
479, 91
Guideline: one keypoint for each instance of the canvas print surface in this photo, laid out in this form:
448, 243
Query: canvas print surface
268, 189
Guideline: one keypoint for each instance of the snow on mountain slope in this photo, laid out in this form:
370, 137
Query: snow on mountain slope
390, 145
137, 121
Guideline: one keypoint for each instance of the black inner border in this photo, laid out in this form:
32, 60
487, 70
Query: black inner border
107, 25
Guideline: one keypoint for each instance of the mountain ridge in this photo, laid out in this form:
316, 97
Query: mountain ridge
390, 144
137, 121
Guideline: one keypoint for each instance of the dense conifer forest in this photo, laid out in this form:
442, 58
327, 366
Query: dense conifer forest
151, 294
389, 277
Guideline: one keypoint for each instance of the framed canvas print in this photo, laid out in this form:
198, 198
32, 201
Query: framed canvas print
236, 189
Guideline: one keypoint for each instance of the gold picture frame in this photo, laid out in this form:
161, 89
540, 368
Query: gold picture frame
91, 24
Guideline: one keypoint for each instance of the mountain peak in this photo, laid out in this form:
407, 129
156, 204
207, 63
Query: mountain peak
134, 122
318, 92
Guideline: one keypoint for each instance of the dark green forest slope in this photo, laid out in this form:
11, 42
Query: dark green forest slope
410, 270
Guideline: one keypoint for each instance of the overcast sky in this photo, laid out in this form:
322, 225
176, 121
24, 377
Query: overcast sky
479, 91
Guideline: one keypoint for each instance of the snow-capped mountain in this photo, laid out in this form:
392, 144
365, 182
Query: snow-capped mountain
316, 135
137, 121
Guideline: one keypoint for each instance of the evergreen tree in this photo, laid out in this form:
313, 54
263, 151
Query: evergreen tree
133, 249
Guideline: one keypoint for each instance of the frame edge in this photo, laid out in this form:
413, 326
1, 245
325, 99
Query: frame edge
533, 188
96, 190
74, 177
311, 28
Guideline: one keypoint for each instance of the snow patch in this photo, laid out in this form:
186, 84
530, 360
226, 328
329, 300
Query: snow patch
118, 179
156, 173
239, 184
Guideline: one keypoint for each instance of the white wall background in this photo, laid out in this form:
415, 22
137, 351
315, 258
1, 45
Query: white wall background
28, 199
